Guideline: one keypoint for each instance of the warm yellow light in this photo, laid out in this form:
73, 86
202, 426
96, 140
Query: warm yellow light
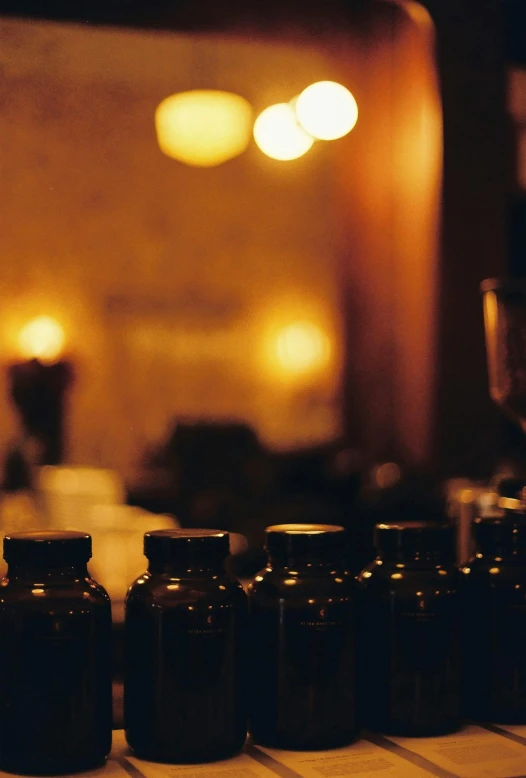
302, 347
326, 110
278, 134
203, 127
41, 338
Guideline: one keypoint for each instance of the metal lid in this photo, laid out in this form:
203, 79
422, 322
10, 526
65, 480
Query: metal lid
47, 547
186, 546
513, 504
513, 285
294, 541
511, 486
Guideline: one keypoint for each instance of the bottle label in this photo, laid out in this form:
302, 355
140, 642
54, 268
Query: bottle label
303, 655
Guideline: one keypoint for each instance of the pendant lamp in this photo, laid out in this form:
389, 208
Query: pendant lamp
203, 127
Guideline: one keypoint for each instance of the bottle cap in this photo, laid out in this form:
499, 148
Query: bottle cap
415, 537
47, 548
188, 547
294, 541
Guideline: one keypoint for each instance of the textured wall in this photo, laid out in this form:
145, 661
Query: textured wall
206, 263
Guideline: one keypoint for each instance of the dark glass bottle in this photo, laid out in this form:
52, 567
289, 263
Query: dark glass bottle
493, 589
409, 631
302, 641
55, 656
185, 629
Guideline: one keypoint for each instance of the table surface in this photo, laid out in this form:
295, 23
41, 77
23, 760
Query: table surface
475, 752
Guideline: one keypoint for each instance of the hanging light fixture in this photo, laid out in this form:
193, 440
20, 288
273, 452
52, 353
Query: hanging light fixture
326, 110
278, 134
203, 127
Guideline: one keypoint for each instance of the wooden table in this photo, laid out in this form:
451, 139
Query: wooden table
475, 752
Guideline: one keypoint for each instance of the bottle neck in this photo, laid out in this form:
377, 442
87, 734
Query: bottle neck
417, 558
31, 574
201, 569
303, 565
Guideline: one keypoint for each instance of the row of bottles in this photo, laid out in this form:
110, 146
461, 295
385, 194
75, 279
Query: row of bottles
307, 660
439, 644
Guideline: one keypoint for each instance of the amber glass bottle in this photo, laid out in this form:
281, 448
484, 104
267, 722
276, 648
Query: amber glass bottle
302, 636
409, 631
185, 628
55, 656
493, 589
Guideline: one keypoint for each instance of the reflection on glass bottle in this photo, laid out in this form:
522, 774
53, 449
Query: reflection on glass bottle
302, 634
409, 635
55, 656
186, 622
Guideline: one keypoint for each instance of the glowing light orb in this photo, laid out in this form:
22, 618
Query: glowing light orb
41, 338
203, 127
326, 110
302, 347
278, 134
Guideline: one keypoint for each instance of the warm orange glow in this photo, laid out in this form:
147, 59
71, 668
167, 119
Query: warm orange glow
497, 377
41, 338
203, 127
302, 347
387, 475
278, 134
326, 110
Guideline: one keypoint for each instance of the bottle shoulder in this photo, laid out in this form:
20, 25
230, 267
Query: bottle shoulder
167, 590
382, 577
493, 570
286, 584
79, 592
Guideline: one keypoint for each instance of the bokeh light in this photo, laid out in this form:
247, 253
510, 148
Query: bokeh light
387, 475
278, 134
203, 127
326, 110
41, 338
302, 347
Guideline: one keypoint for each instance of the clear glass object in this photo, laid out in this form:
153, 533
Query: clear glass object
504, 303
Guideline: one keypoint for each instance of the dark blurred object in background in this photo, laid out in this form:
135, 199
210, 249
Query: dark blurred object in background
16, 471
220, 474
38, 392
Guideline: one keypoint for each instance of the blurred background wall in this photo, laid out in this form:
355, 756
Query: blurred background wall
183, 292
172, 283
180, 291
